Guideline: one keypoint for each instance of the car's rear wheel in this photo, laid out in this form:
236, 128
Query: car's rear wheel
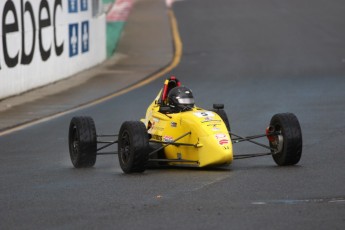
133, 147
287, 126
219, 109
82, 141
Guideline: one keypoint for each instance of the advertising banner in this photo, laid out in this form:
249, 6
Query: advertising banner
43, 41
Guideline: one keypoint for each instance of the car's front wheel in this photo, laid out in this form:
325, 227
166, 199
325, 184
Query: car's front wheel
133, 147
82, 142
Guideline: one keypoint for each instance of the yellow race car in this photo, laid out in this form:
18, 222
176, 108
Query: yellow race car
176, 132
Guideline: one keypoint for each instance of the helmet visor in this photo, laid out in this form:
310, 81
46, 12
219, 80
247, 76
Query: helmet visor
186, 101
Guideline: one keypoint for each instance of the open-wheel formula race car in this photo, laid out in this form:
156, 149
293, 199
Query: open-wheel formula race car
178, 133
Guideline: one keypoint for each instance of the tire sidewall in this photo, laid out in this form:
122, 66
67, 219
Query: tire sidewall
84, 129
288, 125
73, 132
126, 166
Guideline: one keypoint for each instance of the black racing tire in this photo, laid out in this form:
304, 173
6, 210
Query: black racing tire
289, 127
82, 142
133, 147
224, 116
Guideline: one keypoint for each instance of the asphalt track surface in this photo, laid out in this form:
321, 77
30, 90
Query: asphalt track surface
258, 58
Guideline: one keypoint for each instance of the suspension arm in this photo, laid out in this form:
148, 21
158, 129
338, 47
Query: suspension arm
244, 156
249, 139
176, 144
237, 140
107, 145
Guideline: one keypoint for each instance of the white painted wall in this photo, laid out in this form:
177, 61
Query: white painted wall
18, 72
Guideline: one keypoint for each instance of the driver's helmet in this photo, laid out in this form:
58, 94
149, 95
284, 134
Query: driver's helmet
181, 99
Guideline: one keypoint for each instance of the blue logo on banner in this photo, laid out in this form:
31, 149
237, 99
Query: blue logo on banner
83, 5
72, 6
78, 32
73, 39
85, 36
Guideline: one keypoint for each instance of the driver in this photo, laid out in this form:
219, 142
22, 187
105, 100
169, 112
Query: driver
180, 99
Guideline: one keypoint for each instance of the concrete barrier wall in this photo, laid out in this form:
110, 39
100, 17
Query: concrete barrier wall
43, 41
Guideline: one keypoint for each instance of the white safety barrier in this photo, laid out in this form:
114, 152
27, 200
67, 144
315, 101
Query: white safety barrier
43, 41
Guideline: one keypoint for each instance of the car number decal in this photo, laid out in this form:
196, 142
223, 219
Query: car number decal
204, 114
